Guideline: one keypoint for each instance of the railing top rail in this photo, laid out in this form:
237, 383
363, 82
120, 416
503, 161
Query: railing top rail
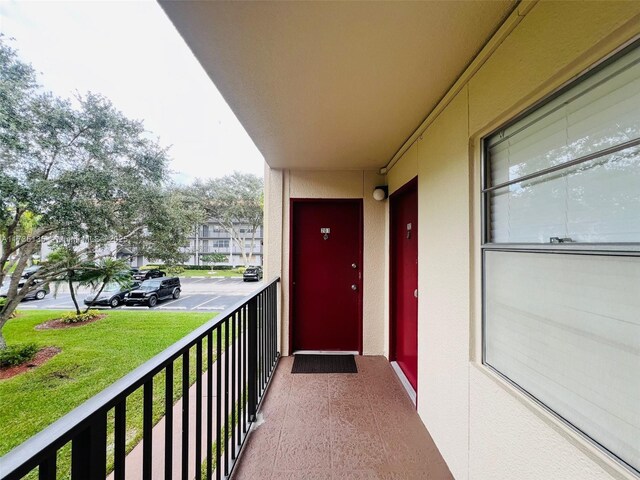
61, 431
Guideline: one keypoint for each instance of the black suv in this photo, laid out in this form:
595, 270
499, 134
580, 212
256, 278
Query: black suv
142, 275
252, 273
153, 290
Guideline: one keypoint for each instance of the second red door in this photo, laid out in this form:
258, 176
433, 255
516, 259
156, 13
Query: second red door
404, 280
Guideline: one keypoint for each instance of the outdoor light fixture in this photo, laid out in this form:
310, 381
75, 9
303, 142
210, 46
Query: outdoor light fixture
381, 192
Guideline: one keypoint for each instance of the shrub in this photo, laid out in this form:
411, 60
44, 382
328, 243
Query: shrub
175, 270
73, 317
17, 354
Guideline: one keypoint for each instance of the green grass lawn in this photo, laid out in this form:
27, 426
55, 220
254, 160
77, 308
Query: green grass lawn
93, 357
207, 273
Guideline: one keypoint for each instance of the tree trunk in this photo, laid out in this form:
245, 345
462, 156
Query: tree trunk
73, 295
104, 284
14, 297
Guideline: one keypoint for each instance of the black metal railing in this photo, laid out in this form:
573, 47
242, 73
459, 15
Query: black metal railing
235, 353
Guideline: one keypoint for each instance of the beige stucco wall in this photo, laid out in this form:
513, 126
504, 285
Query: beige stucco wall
288, 184
404, 170
484, 428
443, 277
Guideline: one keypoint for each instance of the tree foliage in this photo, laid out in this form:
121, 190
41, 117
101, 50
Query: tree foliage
78, 174
212, 258
234, 201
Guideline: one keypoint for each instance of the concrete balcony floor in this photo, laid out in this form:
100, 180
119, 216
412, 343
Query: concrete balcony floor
340, 426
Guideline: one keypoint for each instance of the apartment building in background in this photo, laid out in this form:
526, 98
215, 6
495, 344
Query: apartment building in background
211, 237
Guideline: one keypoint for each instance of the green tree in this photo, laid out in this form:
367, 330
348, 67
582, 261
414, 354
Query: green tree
236, 203
79, 175
211, 258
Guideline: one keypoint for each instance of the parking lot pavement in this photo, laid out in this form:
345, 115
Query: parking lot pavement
198, 295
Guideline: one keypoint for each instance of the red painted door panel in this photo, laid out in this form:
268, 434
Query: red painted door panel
326, 280
404, 280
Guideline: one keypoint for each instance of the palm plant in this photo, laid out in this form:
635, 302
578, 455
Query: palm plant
104, 272
70, 263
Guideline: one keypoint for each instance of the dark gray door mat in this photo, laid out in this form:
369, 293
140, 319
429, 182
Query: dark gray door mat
324, 364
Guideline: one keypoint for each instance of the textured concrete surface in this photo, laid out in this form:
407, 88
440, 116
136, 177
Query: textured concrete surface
340, 426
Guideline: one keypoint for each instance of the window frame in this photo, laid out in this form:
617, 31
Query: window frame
624, 249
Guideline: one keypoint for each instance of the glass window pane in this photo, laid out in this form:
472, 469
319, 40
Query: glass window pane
566, 328
598, 113
596, 202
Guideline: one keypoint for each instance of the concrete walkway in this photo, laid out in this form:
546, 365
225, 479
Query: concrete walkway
340, 427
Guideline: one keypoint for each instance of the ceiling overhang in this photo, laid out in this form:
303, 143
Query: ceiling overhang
334, 85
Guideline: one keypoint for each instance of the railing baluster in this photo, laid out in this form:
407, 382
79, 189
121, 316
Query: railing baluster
226, 397
267, 294
168, 422
240, 384
244, 369
274, 327
259, 332
263, 350
234, 352
274, 293
89, 450
147, 427
209, 405
218, 402
198, 460
119, 439
185, 415
252, 380
47, 468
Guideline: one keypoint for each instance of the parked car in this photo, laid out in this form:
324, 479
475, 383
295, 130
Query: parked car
252, 273
154, 290
112, 295
38, 292
134, 270
142, 275
30, 271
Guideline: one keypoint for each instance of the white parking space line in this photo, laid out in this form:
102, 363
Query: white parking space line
213, 307
204, 303
164, 305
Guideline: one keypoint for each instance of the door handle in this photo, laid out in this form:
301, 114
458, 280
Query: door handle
354, 287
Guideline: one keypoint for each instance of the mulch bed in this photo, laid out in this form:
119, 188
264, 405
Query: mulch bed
58, 324
41, 357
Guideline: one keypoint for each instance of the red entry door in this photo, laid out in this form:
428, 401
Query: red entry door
404, 280
326, 275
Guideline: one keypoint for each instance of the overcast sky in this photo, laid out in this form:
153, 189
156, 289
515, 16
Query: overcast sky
130, 52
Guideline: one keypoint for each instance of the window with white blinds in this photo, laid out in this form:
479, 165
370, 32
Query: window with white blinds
566, 328
561, 255
588, 141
